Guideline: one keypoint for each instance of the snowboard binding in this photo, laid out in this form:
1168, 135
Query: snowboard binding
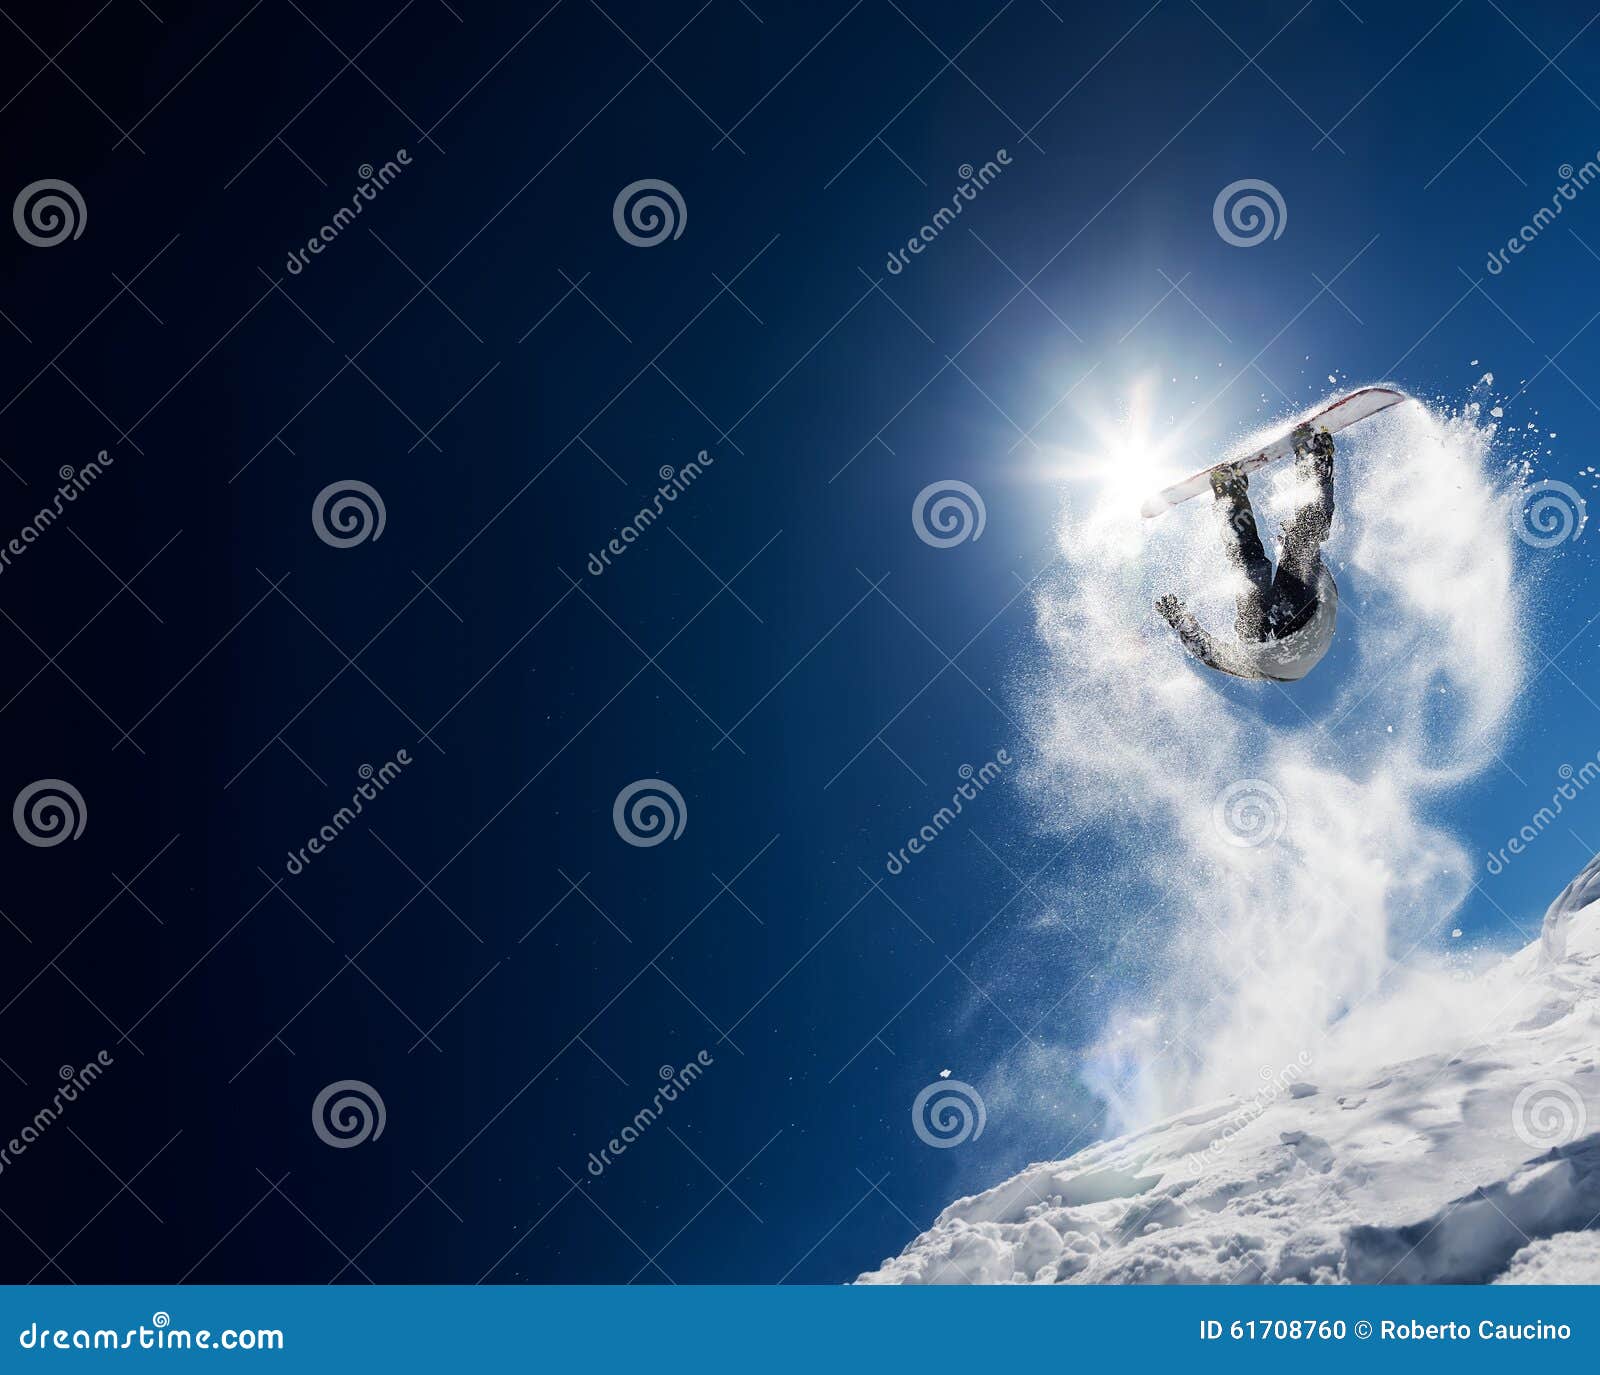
1314, 449
1229, 482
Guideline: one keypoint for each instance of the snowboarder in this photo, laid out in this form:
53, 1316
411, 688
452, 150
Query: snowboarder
1285, 622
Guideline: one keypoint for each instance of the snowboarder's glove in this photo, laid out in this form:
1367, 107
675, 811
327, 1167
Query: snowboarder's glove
1182, 620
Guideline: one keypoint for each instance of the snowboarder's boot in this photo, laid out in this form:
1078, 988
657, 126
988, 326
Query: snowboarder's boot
1229, 482
1305, 533
1314, 454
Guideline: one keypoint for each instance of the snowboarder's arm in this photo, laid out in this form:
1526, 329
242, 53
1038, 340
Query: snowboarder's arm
1194, 637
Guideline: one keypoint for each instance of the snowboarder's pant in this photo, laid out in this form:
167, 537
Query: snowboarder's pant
1271, 607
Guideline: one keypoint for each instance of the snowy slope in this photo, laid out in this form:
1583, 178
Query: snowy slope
1476, 1162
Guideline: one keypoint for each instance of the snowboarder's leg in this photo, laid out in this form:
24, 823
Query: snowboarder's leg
1294, 590
1242, 543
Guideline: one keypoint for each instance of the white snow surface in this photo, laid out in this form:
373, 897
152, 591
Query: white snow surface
1474, 1160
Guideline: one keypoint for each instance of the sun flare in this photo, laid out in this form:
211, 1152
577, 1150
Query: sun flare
1123, 460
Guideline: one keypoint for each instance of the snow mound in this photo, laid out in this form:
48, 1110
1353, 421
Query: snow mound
1474, 1160
1574, 898
1568, 1258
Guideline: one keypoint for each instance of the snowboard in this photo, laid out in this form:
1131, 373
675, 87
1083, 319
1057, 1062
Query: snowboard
1333, 416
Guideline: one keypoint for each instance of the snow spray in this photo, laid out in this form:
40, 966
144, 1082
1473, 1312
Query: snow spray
1267, 854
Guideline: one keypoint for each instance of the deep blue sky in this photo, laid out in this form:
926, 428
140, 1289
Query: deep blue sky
807, 713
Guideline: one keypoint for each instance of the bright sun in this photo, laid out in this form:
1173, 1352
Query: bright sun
1122, 461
